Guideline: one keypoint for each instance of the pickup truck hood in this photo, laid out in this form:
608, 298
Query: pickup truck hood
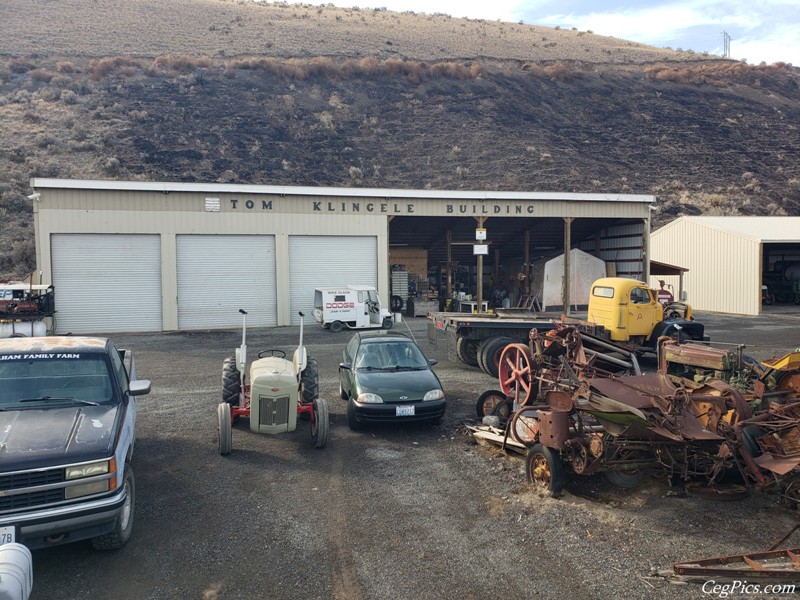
45, 437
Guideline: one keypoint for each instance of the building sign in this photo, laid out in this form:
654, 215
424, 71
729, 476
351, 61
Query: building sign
378, 207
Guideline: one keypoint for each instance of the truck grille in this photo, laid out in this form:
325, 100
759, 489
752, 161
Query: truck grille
273, 411
16, 481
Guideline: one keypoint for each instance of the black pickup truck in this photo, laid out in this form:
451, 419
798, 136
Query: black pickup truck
67, 431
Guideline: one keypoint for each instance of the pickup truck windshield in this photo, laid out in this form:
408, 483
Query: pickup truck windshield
33, 380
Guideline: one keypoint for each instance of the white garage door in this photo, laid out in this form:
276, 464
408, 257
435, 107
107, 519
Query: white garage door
106, 283
328, 261
219, 274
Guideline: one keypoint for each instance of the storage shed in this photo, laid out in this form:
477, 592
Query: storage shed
548, 275
729, 259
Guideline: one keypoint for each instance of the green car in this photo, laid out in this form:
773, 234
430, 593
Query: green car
385, 377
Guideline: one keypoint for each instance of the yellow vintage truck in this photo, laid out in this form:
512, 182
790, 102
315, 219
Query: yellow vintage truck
625, 311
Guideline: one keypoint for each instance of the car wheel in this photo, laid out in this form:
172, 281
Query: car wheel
336, 326
544, 469
310, 380
225, 428
231, 381
352, 420
320, 424
123, 526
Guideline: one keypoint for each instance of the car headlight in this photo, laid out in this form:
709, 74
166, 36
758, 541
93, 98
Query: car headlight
433, 395
369, 398
93, 470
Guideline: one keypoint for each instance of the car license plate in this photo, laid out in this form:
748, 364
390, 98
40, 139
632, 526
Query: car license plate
405, 411
7, 535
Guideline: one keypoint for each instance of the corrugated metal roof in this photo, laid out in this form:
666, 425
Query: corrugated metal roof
764, 229
148, 186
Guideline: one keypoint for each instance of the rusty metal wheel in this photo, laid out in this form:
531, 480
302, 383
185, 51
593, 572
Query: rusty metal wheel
525, 426
544, 469
488, 401
514, 373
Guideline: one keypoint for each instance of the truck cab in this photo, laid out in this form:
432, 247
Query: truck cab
631, 312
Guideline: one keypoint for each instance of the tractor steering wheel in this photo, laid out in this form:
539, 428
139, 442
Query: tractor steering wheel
272, 352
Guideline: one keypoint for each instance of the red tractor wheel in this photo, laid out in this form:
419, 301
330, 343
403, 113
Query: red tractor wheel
514, 373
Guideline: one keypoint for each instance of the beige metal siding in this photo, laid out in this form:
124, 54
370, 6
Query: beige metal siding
724, 268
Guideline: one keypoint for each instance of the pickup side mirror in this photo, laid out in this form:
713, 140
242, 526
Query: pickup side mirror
140, 387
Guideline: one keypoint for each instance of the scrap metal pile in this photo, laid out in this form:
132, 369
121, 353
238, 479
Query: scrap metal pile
710, 418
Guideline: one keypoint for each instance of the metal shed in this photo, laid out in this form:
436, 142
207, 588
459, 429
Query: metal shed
730, 258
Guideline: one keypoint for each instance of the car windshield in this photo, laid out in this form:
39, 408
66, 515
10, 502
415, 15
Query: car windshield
390, 355
33, 380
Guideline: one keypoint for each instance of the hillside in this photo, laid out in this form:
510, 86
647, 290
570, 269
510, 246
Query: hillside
211, 90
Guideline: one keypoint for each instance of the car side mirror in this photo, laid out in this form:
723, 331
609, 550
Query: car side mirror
433, 361
346, 366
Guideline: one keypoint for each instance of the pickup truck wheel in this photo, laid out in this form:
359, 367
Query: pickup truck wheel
336, 326
320, 424
123, 526
231, 381
225, 428
467, 351
310, 379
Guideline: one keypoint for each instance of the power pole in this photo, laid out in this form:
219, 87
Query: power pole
726, 45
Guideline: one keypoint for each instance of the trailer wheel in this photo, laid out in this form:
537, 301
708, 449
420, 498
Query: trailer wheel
544, 469
492, 352
467, 351
336, 326
387, 322
487, 402
320, 423
310, 380
225, 428
123, 526
231, 381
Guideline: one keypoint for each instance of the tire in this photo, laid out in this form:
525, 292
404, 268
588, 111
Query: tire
123, 526
482, 346
352, 421
336, 326
395, 303
628, 480
467, 351
310, 380
225, 428
492, 357
488, 401
388, 322
231, 381
320, 424
544, 470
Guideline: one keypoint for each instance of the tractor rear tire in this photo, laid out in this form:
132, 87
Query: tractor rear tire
231, 381
310, 380
321, 424
225, 428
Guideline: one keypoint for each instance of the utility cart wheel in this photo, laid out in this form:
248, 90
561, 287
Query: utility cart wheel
231, 381
544, 469
388, 322
336, 326
514, 373
488, 401
320, 423
225, 428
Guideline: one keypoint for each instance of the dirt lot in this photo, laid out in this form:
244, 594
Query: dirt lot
390, 512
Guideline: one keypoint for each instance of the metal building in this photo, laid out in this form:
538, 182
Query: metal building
728, 259
146, 256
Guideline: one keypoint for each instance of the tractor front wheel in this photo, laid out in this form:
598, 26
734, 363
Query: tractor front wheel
225, 428
320, 423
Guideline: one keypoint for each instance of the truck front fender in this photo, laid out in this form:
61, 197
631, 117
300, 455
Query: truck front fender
688, 330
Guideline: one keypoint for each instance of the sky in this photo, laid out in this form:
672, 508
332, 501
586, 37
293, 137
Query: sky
760, 30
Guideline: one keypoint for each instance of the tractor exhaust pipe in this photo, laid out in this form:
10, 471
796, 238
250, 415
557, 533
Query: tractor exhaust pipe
241, 351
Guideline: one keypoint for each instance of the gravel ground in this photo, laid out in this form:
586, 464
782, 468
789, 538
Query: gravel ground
389, 512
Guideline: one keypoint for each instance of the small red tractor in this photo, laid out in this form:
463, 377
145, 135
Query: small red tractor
274, 394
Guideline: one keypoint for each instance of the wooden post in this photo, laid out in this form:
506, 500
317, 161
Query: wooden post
567, 247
